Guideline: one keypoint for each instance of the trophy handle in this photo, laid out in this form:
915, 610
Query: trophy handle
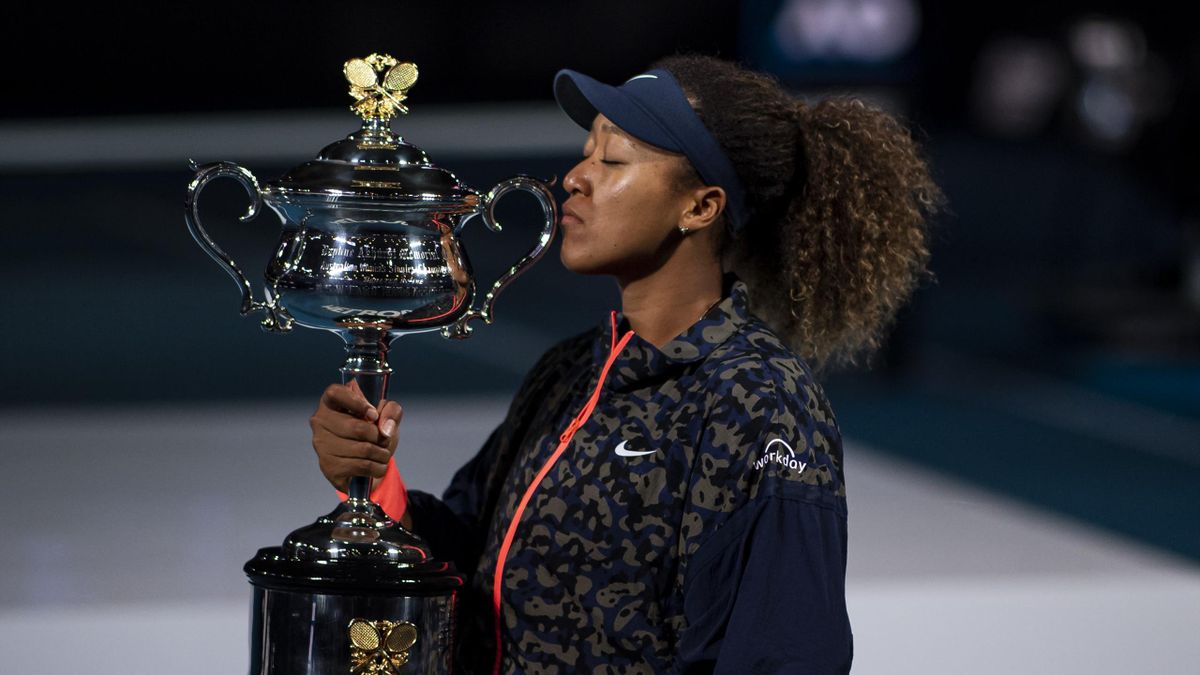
540, 189
277, 318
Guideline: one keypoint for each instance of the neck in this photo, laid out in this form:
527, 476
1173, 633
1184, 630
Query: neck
668, 301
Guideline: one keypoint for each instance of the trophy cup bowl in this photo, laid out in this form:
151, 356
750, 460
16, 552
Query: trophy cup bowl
369, 250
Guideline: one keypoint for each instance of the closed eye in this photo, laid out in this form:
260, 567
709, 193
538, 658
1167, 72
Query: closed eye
609, 161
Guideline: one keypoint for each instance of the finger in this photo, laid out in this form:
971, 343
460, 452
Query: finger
353, 452
365, 467
349, 399
340, 484
348, 427
389, 419
346, 469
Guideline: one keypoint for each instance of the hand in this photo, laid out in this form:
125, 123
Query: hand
351, 437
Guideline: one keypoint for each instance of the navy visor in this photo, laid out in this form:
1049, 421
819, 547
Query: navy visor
652, 107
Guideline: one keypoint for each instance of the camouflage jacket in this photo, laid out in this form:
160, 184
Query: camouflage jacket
693, 519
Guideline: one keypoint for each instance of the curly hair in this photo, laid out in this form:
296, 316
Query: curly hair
840, 200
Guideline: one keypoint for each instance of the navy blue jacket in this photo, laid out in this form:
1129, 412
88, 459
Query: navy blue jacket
676, 510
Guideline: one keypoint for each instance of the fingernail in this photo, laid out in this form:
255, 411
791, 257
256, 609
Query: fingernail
372, 414
388, 427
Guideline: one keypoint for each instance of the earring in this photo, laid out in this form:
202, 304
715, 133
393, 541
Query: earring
683, 230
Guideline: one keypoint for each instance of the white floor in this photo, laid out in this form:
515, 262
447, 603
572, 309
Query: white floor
126, 530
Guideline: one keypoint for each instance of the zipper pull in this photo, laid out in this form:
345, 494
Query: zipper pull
575, 424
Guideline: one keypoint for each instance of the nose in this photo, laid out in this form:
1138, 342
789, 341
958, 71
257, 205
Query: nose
576, 179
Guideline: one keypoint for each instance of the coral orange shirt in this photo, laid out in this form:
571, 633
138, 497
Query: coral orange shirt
391, 494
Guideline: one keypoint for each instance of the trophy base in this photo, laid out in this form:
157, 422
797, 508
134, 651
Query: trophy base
351, 593
299, 632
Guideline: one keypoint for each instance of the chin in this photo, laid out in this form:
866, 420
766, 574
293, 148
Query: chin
574, 263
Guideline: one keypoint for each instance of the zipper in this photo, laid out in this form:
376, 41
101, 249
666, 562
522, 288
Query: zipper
564, 439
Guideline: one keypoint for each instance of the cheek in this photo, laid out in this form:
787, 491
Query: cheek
639, 201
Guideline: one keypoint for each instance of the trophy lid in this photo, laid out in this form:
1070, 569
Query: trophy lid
374, 166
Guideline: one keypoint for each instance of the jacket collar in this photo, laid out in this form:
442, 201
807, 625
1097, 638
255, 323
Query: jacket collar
640, 360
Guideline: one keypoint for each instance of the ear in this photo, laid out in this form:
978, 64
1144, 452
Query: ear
704, 206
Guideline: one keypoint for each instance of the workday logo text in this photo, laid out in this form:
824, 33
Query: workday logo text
787, 460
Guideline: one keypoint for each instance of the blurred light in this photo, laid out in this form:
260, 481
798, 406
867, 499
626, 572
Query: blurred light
1018, 84
1107, 111
1103, 43
857, 30
1103, 75
1123, 85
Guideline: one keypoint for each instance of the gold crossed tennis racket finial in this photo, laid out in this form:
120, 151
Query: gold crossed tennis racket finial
375, 97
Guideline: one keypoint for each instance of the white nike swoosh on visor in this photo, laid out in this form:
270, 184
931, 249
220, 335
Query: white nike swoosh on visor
632, 453
638, 77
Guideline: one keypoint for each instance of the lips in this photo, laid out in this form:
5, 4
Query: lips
569, 215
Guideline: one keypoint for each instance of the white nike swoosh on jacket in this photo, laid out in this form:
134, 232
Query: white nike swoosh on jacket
621, 451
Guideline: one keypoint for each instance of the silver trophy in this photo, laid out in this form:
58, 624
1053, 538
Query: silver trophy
370, 251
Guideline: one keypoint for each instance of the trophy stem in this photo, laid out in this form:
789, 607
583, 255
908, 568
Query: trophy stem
366, 363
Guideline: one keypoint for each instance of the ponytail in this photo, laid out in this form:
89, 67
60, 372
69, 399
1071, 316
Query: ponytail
841, 200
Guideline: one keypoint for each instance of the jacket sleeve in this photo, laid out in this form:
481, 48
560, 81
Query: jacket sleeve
766, 593
764, 588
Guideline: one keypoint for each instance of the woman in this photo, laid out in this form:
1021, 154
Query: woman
666, 492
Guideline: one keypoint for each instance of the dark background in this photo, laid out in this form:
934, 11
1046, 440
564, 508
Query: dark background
1056, 358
